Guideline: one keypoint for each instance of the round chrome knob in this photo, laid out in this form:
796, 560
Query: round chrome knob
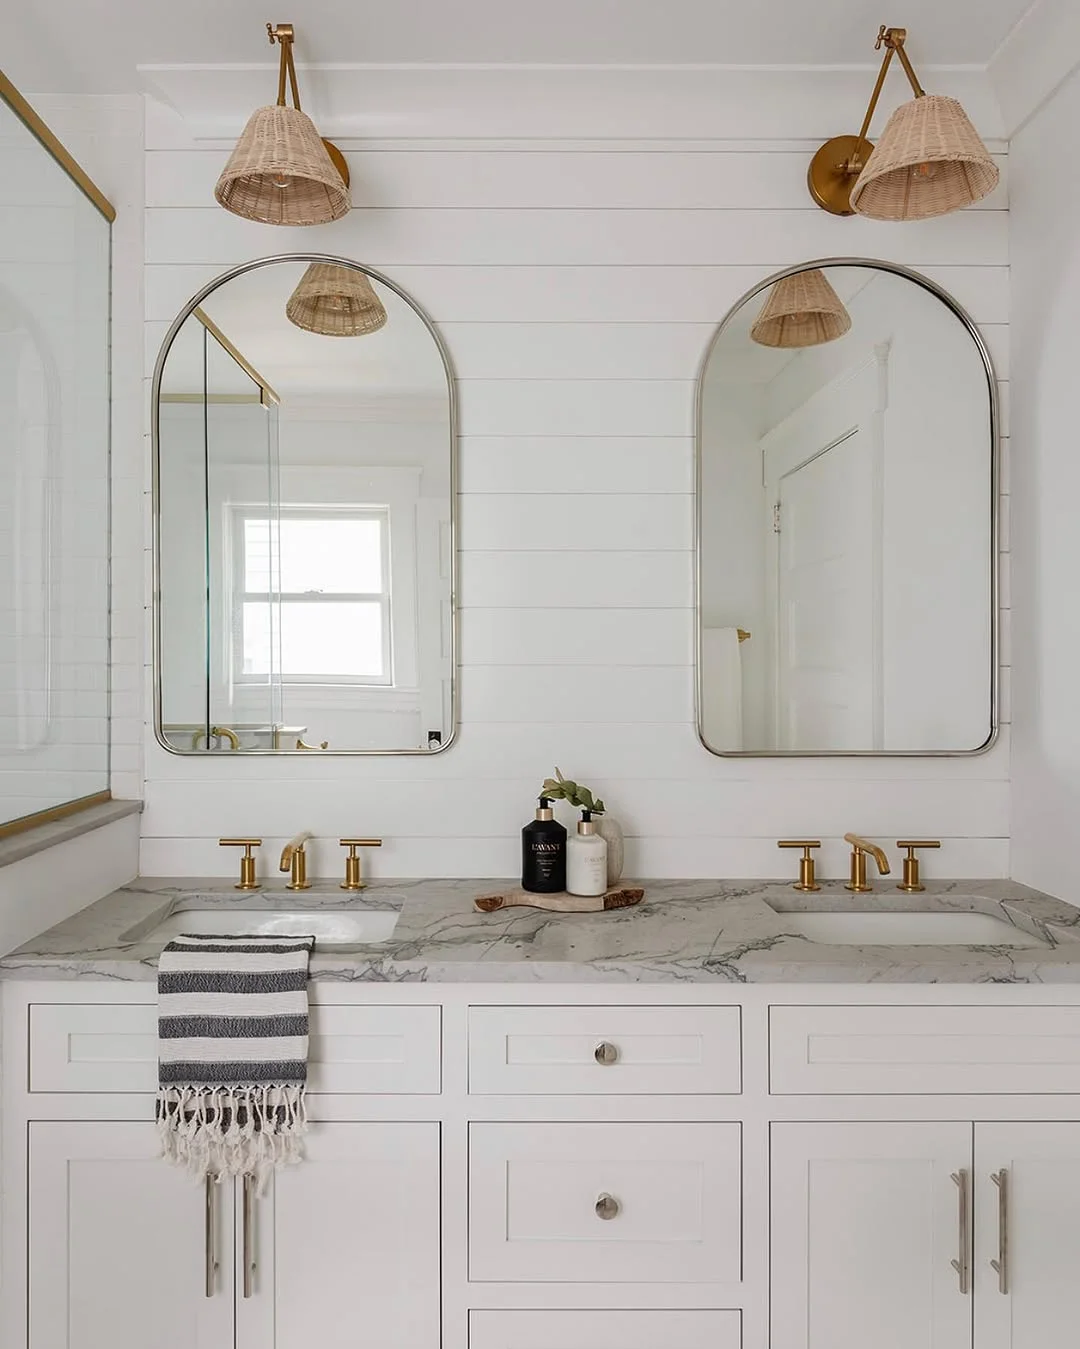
607, 1207
606, 1054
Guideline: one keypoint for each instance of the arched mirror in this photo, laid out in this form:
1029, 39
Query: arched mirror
304, 499
846, 520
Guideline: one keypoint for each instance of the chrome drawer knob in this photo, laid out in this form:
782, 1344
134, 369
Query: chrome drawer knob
607, 1207
606, 1054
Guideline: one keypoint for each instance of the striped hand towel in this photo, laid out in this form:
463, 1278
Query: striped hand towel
232, 1052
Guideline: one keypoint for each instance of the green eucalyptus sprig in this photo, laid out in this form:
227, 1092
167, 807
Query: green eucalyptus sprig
559, 788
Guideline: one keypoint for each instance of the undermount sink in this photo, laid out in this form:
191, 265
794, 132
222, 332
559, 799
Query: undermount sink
329, 927
881, 928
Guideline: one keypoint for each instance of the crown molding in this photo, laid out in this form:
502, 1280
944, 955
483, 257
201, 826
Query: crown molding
394, 104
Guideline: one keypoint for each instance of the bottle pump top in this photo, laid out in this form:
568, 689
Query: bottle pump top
585, 824
544, 811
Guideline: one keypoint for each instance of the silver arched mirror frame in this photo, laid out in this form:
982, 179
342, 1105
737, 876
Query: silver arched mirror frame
976, 336
450, 738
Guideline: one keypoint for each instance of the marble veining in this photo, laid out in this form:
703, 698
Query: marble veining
684, 932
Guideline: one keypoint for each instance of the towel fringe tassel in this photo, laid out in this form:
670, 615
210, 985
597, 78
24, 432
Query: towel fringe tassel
232, 1131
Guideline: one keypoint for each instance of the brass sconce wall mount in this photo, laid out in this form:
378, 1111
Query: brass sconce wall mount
929, 160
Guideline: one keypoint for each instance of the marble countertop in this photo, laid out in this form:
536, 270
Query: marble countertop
684, 932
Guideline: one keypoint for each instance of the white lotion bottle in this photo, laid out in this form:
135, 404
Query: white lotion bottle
586, 859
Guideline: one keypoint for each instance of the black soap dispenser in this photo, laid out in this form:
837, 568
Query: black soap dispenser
543, 853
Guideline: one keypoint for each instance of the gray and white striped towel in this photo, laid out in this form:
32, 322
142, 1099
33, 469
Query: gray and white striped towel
232, 1052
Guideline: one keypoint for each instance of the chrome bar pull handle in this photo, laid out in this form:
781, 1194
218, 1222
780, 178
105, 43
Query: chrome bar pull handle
249, 1235
210, 1225
1000, 1266
962, 1265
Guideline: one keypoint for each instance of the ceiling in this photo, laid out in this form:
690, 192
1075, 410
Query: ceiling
95, 46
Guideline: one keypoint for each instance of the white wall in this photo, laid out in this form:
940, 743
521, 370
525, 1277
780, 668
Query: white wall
1046, 481
577, 284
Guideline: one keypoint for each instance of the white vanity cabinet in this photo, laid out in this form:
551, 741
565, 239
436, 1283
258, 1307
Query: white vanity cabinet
609, 1166
119, 1245
126, 1252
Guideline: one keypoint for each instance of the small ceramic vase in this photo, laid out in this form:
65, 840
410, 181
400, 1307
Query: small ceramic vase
611, 830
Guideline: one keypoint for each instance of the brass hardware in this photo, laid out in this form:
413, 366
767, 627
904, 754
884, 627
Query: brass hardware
267, 396
743, 635
325, 744
1000, 1266
807, 879
836, 166
284, 34
249, 1235
912, 882
962, 1264
607, 1207
606, 1054
54, 813
210, 1224
247, 862
353, 880
294, 861
859, 848
37, 128
217, 732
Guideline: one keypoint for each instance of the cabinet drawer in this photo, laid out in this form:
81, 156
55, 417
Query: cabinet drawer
903, 1050
523, 1051
539, 1193
605, 1330
353, 1050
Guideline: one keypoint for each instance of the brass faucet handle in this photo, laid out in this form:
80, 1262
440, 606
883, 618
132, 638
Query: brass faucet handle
247, 879
807, 880
353, 879
912, 882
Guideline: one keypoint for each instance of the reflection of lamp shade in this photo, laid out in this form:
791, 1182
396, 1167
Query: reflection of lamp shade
803, 310
335, 301
929, 161
281, 172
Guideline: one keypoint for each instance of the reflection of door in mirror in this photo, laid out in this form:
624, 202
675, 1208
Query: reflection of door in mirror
845, 520
319, 612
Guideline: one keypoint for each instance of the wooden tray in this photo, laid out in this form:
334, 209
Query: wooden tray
620, 897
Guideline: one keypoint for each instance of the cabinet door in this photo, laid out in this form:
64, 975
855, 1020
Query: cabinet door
120, 1243
866, 1222
344, 1248
1037, 1302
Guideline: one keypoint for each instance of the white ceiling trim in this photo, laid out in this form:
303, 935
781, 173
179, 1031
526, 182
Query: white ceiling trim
410, 103
1035, 59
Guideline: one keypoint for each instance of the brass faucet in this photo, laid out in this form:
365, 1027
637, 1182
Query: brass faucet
294, 861
859, 848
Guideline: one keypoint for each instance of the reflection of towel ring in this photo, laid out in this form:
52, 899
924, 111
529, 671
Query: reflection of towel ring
219, 733
325, 745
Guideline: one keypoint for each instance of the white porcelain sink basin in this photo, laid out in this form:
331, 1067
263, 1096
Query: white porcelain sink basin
329, 927
907, 929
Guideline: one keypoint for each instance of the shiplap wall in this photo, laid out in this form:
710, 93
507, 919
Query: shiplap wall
576, 285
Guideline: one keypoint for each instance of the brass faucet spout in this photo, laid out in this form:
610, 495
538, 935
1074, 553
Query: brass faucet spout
864, 845
294, 846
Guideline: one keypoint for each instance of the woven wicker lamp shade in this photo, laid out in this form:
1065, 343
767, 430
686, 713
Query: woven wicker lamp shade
928, 162
802, 310
335, 301
281, 172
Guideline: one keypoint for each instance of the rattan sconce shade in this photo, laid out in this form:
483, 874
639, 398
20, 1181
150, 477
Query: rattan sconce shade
281, 173
802, 310
335, 301
928, 162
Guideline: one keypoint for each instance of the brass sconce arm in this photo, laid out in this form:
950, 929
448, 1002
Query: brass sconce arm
284, 34
892, 39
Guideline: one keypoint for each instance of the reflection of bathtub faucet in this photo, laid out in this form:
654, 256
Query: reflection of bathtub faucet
218, 733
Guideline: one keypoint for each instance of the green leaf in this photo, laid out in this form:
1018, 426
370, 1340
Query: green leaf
598, 808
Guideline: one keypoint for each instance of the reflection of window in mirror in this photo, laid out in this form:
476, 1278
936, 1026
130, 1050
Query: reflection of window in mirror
311, 598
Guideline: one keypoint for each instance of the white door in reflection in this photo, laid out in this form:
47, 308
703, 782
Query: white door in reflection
828, 676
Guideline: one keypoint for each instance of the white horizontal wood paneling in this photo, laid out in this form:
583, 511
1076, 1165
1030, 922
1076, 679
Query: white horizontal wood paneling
533, 179
599, 238
604, 1329
540, 293
577, 285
